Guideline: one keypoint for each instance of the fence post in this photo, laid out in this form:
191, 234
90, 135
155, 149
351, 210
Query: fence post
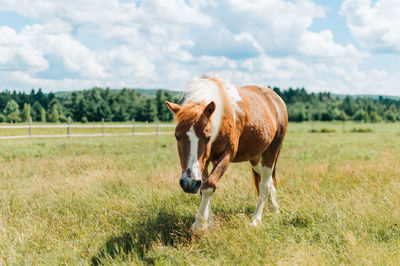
133, 126
102, 126
30, 127
69, 126
157, 127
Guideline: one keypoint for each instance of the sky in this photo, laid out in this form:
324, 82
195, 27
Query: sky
344, 47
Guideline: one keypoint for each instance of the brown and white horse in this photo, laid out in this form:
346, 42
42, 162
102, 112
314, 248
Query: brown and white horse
220, 123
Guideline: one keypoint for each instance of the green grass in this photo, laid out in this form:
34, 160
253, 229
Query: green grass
116, 200
361, 130
323, 130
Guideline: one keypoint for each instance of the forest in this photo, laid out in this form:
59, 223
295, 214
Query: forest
127, 104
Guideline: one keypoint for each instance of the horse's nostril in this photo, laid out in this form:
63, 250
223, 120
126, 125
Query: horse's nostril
181, 183
197, 185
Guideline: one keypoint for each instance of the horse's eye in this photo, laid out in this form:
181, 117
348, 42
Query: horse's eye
207, 140
177, 138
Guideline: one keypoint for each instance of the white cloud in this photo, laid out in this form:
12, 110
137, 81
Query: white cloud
128, 64
28, 49
274, 24
321, 45
27, 81
350, 79
376, 25
16, 52
225, 43
275, 69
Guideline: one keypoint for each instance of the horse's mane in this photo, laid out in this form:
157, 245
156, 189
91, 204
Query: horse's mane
205, 89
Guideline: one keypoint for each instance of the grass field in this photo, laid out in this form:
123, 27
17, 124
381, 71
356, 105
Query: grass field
116, 200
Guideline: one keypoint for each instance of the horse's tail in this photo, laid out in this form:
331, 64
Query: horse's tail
273, 171
256, 179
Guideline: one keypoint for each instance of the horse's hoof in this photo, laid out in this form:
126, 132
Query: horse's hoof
255, 223
200, 230
275, 211
201, 227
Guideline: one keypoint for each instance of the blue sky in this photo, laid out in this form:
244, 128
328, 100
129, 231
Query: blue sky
347, 47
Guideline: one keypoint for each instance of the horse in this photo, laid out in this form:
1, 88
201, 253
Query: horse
223, 124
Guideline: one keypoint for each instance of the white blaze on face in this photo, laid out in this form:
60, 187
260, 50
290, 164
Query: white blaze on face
193, 163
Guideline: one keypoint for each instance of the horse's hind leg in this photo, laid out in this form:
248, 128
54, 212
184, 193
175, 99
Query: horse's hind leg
271, 184
267, 191
256, 179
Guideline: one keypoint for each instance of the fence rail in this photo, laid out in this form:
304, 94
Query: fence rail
88, 126
101, 126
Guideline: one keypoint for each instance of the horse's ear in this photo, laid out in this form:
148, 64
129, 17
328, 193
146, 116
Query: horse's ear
209, 110
173, 107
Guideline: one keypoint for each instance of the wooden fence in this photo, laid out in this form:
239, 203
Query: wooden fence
101, 128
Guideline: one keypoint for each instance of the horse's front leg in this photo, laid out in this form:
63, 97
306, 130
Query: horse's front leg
205, 171
204, 218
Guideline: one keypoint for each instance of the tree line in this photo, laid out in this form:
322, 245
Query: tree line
85, 106
323, 106
127, 104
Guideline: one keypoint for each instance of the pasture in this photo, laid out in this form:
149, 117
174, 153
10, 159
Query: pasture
117, 200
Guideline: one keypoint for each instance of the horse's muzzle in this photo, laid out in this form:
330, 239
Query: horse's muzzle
190, 185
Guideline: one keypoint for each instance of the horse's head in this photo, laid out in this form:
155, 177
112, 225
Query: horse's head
193, 134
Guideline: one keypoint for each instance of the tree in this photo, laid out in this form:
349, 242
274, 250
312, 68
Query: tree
297, 112
82, 109
11, 111
118, 112
163, 114
391, 113
42, 98
348, 106
327, 115
103, 111
43, 115
147, 112
390, 116
36, 111
53, 115
339, 115
374, 117
62, 118
360, 115
26, 112
121, 114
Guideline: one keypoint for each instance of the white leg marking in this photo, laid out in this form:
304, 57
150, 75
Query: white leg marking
267, 189
204, 219
193, 163
273, 205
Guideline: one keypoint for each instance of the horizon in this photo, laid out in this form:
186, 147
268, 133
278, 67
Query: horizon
348, 47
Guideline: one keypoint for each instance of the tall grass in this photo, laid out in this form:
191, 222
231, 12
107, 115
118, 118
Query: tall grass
117, 200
